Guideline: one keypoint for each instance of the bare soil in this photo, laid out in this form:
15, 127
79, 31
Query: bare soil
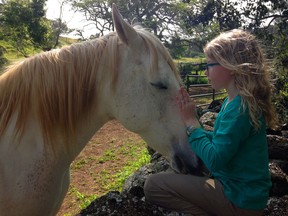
85, 170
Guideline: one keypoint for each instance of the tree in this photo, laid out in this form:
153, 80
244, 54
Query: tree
23, 24
58, 25
157, 15
204, 19
269, 20
3, 60
12, 26
38, 26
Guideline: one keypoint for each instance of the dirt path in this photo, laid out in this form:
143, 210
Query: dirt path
88, 168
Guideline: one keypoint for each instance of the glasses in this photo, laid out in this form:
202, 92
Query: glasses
211, 65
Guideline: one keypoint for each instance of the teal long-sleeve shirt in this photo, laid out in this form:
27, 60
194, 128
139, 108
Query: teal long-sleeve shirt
236, 155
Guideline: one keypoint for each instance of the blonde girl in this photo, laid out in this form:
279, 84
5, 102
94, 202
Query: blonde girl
236, 152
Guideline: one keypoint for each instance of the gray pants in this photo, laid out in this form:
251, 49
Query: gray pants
191, 194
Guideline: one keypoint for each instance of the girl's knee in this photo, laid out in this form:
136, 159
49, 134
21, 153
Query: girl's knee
151, 187
149, 184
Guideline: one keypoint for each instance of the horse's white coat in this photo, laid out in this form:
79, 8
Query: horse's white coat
34, 179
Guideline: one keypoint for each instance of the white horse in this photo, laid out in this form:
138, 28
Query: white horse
53, 103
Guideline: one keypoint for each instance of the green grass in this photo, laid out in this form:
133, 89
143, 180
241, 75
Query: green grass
80, 163
209, 99
12, 54
65, 41
137, 156
190, 60
196, 80
121, 163
83, 200
131, 166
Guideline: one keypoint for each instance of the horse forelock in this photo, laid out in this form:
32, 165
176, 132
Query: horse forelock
155, 47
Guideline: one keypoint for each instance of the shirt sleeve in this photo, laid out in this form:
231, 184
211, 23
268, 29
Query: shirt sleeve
209, 134
217, 151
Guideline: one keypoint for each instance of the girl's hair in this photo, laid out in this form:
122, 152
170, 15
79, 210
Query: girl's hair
240, 52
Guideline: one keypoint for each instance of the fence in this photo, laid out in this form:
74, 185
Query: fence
190, 74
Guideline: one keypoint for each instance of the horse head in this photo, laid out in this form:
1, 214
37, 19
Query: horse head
143, 99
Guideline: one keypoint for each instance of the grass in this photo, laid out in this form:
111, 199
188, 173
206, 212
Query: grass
137, 156
12, 54
209, 99
130, 167
83, 200
190, 60
123, 161
197, 80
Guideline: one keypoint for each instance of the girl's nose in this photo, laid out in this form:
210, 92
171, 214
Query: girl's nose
206, 72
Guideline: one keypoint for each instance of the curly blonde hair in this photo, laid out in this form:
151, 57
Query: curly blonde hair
240, 52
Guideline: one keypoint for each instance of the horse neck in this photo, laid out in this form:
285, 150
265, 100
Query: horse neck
94, 102
87, 128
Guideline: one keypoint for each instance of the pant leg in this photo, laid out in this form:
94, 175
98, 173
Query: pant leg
162, 190
189, 194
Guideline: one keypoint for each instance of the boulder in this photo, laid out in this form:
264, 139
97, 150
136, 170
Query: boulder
131, 201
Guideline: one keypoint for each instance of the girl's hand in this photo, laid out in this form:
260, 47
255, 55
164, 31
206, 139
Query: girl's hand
187, 108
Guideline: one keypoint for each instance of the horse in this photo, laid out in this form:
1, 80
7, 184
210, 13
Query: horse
52, 103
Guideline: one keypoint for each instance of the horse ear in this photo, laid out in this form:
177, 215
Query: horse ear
125, 31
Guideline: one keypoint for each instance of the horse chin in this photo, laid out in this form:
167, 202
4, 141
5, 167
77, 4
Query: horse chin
185, 161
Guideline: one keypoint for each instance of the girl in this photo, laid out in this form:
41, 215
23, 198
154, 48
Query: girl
236, 152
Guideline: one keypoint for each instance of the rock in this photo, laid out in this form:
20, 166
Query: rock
215, 106
278, 147
279, 180
277, 206
131, 201
158, 164
124, 204
207, 120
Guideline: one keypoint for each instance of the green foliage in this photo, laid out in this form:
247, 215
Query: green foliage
23, 24
12, 54
58, 27
197, 60
131, 166
84, 200
176, 47
197, 80
281, 85
189, 68
274, 35
3, 60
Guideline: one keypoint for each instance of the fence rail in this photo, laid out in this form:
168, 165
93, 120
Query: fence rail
207, 94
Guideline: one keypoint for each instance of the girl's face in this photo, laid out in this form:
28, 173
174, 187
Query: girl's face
218, 76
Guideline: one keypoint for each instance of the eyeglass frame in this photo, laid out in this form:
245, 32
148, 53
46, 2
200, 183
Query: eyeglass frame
211, 65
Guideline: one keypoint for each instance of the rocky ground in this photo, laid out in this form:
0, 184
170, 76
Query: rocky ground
131, 201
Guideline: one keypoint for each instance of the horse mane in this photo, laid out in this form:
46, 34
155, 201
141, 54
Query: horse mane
61, 85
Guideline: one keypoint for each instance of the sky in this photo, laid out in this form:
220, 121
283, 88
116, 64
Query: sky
72, 19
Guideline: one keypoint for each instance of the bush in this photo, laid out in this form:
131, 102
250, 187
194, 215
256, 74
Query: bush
3, 60
281, 84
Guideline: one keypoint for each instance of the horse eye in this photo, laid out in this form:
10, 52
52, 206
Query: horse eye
159, 85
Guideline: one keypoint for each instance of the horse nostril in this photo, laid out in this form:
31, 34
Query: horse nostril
185, 161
